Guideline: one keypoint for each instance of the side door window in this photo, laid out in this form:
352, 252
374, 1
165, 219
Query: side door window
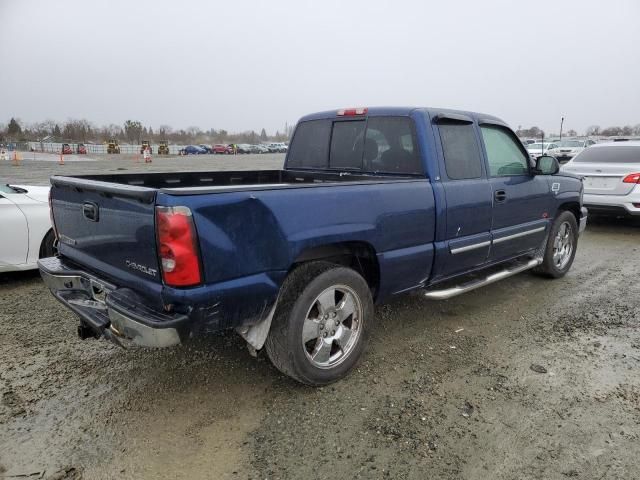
460, 149
504, 153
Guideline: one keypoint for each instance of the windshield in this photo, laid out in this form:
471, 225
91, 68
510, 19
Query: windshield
612, 154
571, 143
11, 189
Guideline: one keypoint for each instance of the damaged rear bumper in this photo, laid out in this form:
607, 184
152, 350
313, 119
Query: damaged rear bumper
115, 313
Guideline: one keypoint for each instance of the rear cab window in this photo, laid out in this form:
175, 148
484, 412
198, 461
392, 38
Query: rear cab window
347, 140
391, 146
377, 144
310, 145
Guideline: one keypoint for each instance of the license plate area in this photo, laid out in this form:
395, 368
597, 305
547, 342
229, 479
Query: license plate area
601, 183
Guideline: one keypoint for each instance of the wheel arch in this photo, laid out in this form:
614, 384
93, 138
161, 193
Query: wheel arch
571, 206
358, 255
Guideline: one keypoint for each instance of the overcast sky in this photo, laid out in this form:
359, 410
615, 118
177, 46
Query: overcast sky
243, 65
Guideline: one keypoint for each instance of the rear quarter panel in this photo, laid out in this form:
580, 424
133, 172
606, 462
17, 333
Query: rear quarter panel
242, 234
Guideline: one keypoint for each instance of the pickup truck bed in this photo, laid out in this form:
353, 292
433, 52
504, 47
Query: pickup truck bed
370, 204
249, 236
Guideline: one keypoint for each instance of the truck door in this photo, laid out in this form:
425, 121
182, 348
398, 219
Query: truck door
468, 197
521, 200
15, 240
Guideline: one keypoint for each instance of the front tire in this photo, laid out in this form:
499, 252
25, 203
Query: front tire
561, 246
321, 324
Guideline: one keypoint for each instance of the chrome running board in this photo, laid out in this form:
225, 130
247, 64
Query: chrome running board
481, 282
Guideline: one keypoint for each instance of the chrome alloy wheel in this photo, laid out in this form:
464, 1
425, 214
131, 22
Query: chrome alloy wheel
563, 246
332, 326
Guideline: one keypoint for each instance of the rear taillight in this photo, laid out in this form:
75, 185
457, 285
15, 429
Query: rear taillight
53, 223
177, 247
632, 178
349, 112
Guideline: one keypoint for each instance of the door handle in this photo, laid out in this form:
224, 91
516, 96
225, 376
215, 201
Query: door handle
500, 195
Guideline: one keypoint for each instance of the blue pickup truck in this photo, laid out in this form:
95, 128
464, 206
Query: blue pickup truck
371, 203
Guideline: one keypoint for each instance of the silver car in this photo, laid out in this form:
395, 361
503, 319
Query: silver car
611, 174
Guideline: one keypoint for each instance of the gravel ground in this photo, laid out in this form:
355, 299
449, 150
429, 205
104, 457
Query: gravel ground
527, 378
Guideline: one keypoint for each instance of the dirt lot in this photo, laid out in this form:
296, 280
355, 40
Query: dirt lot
527, 378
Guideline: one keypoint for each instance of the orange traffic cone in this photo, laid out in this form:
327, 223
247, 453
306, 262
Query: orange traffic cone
16, 158
61, 161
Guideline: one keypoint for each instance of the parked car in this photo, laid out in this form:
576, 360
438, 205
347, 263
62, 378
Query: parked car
611, 174
244, 148
565, 150
24, 211
294, 259
192, 150
66, 149
538, 149
81, 149
222, 148
259, 149
277, 147
527, 141
206, 148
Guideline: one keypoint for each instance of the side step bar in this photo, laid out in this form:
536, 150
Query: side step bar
481, 282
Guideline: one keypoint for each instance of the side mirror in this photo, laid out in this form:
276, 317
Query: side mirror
547, 165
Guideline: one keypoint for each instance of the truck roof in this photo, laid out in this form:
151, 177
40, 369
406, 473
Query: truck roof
406, 111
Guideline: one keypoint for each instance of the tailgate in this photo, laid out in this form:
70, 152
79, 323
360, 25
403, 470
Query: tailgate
107, 227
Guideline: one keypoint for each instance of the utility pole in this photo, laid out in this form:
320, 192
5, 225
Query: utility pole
561, 122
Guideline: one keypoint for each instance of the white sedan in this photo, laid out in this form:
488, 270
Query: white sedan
538, 149
27, 234
611, 178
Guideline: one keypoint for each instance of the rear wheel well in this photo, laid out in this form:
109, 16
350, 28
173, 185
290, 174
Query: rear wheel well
360, 256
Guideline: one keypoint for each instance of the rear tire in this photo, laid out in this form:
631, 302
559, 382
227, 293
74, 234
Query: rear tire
321, 324
561, 246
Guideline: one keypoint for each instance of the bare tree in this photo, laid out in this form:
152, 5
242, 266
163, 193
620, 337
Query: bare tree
133, 130
593, 130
